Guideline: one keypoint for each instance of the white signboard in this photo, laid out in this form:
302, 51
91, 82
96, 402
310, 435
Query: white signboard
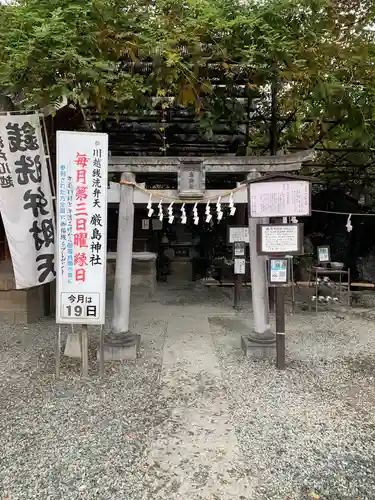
145, 224
280, 198
25, 200
82, 165
283, 239
238, 234
239, 249
239, 266
323, 254
278, 271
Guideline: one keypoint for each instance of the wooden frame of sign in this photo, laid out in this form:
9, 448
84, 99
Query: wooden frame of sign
294, 230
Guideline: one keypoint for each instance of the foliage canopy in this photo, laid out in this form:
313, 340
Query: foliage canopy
202, 54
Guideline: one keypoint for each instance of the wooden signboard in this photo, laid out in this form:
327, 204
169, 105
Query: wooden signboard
239, 265
238, 234
324, 254
285, 198
278, 271
280, 239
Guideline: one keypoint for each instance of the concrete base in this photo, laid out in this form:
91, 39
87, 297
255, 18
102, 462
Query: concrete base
257, 348
20, 307
128, 350
73, 346
181, 271
143, 271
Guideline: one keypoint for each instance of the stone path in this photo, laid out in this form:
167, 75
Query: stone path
195, 452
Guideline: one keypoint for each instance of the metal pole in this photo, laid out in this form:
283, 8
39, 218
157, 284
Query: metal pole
101, 352
58, 351
85, 350
280, 327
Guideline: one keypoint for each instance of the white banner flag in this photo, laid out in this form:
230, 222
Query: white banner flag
25, 200
82, 181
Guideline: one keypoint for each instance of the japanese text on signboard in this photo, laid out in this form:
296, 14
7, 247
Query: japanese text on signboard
82, 225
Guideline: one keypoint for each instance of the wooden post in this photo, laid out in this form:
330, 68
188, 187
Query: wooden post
274, 139
123, 275
238, 278
280, 327
85, 350
237, 291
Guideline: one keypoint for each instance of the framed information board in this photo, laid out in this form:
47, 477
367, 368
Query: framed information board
239, 249
238, 234
324, 254
285, 198
280, 239
239, 265
278, 271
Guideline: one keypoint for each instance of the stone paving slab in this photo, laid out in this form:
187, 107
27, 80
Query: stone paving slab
197, 446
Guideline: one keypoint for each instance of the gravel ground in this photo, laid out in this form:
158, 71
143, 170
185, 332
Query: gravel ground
303, 432
309, 430
74, 438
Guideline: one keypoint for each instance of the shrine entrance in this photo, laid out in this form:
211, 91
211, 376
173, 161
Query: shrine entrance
170, 218
184, 252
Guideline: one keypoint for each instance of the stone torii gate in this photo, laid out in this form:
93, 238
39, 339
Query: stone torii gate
191, 174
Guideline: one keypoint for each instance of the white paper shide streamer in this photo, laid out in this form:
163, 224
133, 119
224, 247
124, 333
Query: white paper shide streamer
170, 213
183, 214
231, 205
160, 207
219, 210
208, 212
149, 206
195, 214
349, 226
